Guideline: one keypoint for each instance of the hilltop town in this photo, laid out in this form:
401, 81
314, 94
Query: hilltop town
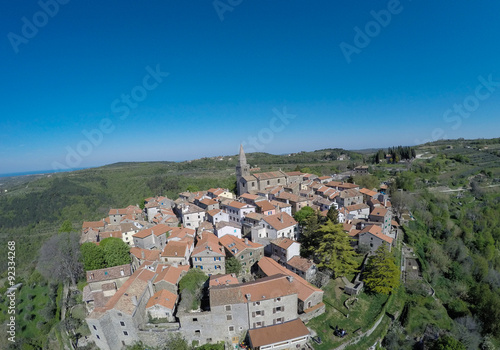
268, 302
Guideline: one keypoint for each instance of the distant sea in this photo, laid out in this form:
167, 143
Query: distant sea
39, 172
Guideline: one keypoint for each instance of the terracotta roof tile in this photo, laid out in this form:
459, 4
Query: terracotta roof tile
222, 280
261, 289
175, 249
164, 298
277, 333
210, 242
280, 221
377, 232
300, 263
271, 267
283, 242
236, 245
378, 212
171, 274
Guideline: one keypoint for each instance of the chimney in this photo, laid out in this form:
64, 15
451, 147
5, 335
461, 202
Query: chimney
246, 241
248, 296
143, 255
134, 301
289, 278
175, 253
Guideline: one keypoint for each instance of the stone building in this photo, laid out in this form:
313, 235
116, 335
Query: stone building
245, 251
152, 238
208, 255
116, 324
274, 226
236, 308
372, 237
310, 298
252, 183
383, 216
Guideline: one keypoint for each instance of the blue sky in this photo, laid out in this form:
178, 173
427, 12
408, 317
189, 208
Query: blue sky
69, 75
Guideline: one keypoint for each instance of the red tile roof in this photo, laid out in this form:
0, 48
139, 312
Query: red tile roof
304, 288
149, 254
171, 274
175, 249
368, 192
222, 280
236, 245
379, 212
210, 242
277, 333
377, 232
164, 298
300, 263
93, 224
284, 243
280, 221
261, 289
265, 205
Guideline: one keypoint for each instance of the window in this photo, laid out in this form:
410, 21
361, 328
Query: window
125, 333
229, 317
231, 328
94, 327
195, 319
197, 332
97, 336
256, 303
277, 299
122, 323
228, 307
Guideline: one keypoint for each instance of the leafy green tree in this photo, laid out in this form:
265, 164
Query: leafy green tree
233, 265
66, 226
176, 342
333, 215
448, 343
382, 274
303, 214
192, 188
405, 180
92, 256
368, 181
116, 252
193, 280
335, 251
310, 236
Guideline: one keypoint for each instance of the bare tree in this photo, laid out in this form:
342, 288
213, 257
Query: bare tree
60, 258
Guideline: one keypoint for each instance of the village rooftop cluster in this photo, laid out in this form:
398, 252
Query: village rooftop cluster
269, 304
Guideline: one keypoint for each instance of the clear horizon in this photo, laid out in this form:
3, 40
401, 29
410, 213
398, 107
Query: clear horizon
90, 84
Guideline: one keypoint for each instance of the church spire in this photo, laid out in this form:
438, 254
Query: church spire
243, 158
